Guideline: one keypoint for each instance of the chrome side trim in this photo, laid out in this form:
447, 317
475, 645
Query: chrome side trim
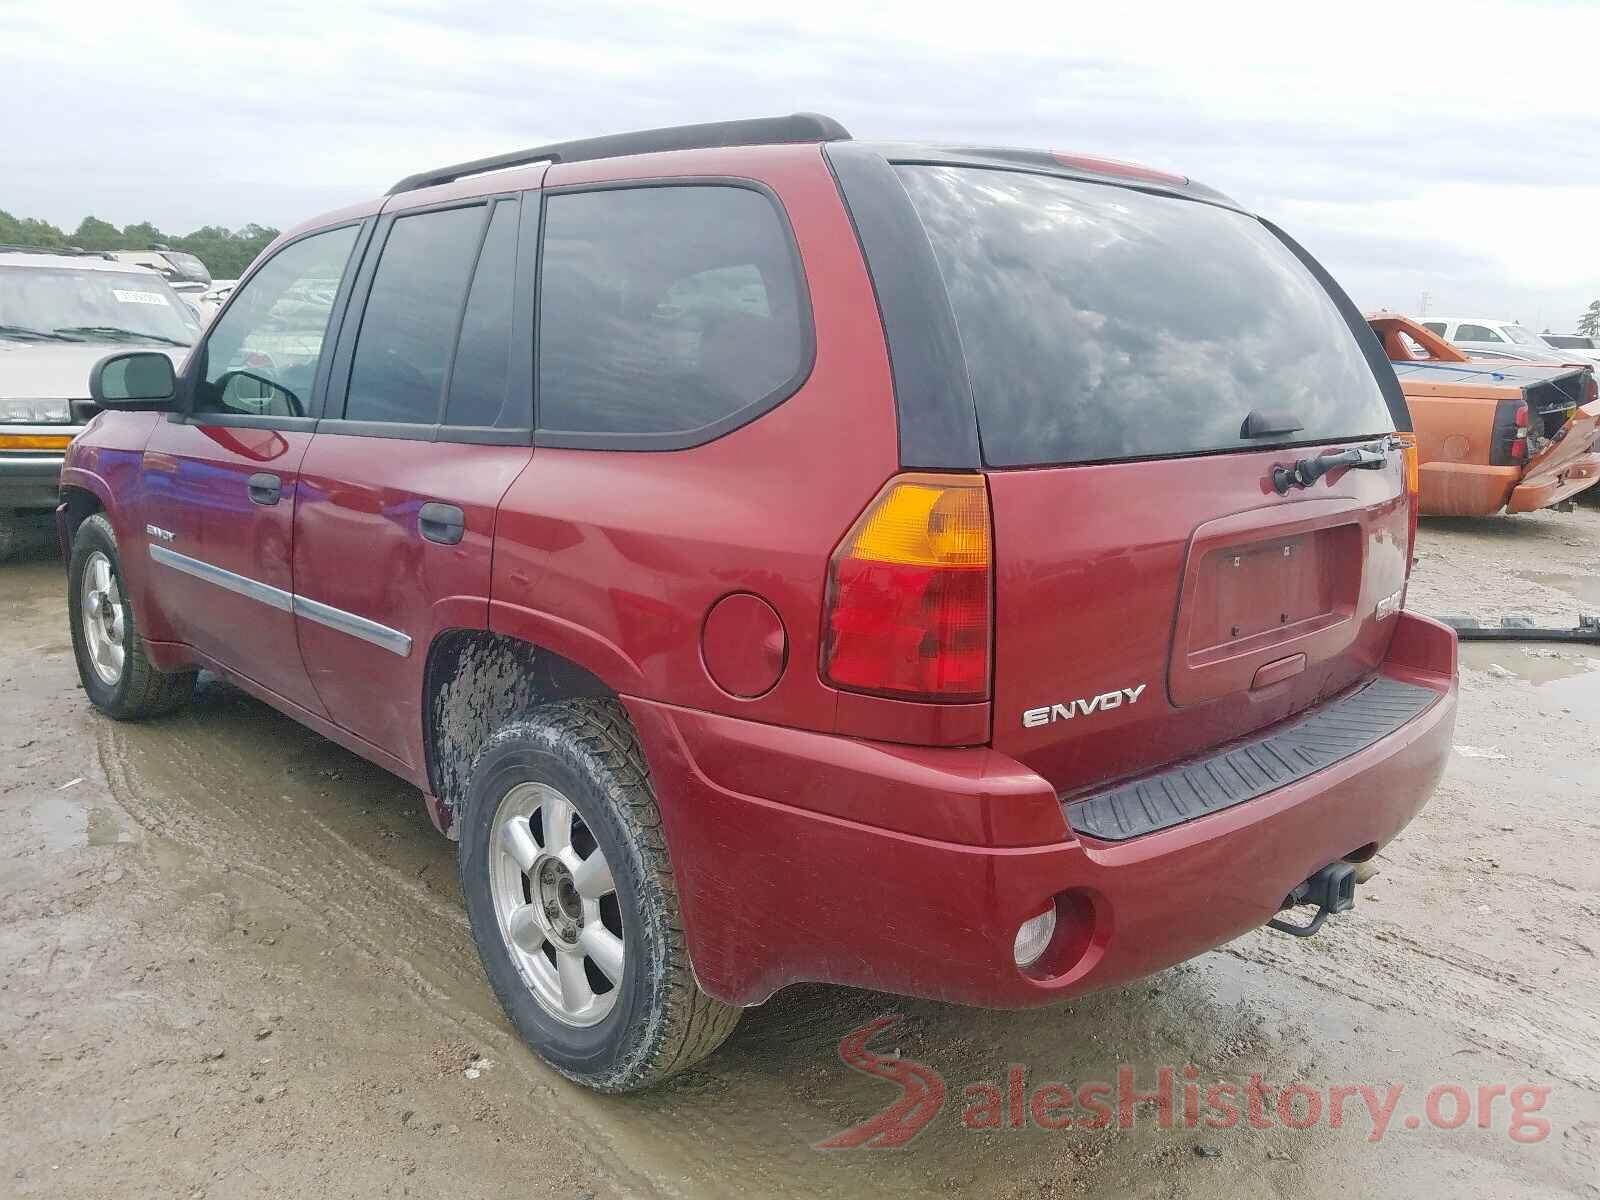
382, 636
264, 593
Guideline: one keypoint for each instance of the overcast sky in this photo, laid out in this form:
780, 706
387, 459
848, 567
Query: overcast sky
1451, 148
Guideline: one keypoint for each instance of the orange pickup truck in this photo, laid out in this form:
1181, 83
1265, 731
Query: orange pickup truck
1493, 435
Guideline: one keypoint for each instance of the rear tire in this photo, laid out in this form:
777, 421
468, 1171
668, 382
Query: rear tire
112, 664
566, 876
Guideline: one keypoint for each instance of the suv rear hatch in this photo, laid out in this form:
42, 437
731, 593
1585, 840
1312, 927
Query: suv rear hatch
1155, 596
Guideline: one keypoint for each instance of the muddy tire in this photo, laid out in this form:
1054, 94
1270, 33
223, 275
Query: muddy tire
572, 902
112, 665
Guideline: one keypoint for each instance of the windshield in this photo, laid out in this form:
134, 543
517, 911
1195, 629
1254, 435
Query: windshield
187, 266
1100, 322
73, 305
1520, 336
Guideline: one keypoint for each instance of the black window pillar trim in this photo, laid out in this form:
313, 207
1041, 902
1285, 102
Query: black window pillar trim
1377, 358
354, 302
937, 417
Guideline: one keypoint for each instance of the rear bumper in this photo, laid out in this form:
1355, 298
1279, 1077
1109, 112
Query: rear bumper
1582, 474
29, 480
775, 891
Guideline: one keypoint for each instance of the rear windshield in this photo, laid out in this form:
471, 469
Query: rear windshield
1104, 323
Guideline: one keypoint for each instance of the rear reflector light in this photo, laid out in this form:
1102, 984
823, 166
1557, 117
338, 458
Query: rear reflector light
1033, 937
909, 587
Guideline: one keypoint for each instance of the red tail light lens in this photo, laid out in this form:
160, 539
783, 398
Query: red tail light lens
909, 587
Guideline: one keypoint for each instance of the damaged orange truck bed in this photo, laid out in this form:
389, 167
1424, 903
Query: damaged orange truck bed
1493, 435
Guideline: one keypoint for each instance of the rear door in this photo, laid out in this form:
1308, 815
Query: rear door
221, 481
1139, 365
430, 421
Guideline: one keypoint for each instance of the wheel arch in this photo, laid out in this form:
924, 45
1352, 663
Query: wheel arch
475, 681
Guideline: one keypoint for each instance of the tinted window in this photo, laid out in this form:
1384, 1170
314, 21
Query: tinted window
412, 311
1476, 333
665, 310
1100, 322
262, 354
478, 381
1434, 326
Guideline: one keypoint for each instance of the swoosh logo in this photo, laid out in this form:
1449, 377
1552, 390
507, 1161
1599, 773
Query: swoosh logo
921, 1092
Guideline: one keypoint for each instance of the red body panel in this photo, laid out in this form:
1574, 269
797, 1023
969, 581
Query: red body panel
196, 487
1104, 599
357, 548
774, 893
616, 560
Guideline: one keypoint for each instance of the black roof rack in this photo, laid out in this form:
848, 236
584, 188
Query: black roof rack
73, 251
758, 131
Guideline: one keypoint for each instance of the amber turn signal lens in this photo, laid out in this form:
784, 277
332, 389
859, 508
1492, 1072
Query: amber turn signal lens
35, 441
1408, 456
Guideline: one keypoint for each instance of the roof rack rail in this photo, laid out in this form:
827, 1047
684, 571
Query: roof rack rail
76, 251
758, 131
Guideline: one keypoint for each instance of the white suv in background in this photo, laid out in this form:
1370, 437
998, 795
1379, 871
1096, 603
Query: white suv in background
61, 311
1505, 339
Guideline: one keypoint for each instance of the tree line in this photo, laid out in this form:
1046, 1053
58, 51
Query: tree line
225, 252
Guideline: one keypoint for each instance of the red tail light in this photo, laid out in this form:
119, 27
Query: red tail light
909, 593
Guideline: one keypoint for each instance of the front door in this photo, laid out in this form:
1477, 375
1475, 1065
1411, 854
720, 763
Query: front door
394, 523
221, 479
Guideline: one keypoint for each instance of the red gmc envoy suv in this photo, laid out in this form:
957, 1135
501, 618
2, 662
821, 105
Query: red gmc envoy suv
969, 573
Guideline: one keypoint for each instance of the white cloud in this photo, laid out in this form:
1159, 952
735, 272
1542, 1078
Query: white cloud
1447, 146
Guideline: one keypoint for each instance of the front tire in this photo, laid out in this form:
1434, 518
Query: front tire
116, 674
572, 903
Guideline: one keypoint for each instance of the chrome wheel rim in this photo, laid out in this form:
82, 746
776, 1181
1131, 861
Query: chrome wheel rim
556, 904
103, 618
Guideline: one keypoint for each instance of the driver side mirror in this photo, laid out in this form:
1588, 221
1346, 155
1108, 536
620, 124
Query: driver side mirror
138, 381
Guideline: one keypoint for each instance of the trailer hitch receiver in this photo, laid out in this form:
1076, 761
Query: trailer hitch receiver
1332, 890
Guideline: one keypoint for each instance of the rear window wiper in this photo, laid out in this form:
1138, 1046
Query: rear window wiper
1307, 471
119, 332
22, 331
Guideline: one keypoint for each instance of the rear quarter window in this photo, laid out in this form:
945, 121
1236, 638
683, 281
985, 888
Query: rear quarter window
667, 314
1103, 323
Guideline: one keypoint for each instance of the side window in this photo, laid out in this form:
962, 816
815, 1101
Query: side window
1477, 333
1434, 327
666, 311
409, 326
479, 391
261, 355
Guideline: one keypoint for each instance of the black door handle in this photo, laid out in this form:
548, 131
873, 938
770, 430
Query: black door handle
442, 523
265, 489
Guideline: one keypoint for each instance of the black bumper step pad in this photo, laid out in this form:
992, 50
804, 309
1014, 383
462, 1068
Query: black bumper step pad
1251, 769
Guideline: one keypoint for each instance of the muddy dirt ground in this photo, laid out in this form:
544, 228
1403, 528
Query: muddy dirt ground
234, 962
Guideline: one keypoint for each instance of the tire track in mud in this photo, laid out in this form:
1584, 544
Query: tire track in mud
236, 785
1482, 1003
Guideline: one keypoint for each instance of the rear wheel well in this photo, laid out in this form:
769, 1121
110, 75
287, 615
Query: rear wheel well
477, 682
